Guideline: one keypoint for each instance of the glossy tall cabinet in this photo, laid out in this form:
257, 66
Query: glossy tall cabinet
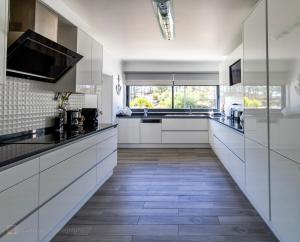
256, 109
3, 29
284, 99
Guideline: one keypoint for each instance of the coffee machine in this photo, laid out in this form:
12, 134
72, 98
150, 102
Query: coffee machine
73, 119
90, 117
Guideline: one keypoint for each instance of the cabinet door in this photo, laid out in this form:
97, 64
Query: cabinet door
184, 124
105, 168
56, 178
129, 131
284, 80
257, 176
285, 197
255, 75
97, 62
150, 133
54, 214
3, 33
17, 202
184, 137
26, 231
84, 82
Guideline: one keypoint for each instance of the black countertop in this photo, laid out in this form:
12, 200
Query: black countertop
236, 125
20, 148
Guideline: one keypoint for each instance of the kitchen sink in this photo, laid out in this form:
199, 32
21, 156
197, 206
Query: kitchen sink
186, 115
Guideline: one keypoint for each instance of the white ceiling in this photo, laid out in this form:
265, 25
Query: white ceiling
205, 29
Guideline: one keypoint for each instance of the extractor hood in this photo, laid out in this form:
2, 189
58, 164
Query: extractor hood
33, 52
32, 56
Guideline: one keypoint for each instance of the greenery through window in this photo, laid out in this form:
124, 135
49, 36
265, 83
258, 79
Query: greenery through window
172, 97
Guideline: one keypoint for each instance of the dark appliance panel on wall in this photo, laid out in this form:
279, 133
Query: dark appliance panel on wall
235, 73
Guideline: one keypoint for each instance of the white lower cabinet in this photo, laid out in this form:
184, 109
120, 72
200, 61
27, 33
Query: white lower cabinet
17, 202
150, 133
54, 214
106, 147
129, 131
285, 197
58, 177
257, 176
234, 165
105, 168
184, 124
26, 231
184, 137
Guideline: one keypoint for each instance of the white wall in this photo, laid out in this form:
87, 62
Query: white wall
112, 66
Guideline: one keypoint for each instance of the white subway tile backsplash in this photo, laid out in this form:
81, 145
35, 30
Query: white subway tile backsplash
27, 105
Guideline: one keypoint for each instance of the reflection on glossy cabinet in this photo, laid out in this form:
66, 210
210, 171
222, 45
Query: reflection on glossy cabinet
285, 197
257, 175
255, 75
284, 66
3, 30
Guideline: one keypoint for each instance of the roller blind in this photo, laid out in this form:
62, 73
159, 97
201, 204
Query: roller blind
196, 79
146, 79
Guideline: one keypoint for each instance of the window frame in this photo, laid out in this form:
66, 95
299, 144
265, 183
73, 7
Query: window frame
166, 110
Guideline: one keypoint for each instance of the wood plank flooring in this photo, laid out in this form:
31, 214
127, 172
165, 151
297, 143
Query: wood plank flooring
167, 195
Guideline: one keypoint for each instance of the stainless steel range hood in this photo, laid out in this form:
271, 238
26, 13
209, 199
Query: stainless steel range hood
33, 51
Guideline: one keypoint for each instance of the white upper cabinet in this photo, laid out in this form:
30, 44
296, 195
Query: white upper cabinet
84, 83
284, 65
87, 74
255, 75
3, 31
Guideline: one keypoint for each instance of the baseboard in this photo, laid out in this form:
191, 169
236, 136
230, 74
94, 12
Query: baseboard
163, 146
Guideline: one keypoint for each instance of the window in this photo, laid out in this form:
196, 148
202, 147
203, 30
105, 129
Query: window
195, 97
173, 97
152, 97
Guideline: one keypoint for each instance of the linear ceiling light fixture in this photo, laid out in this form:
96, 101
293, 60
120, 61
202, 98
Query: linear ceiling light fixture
164, 12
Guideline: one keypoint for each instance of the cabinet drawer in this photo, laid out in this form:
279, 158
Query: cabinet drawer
150, 133
106, 147
232, 139
17, 202
24, 232
232, 163
58, 177
60, 207
18, 173
184, 137
61, 154
106, 166
184, 124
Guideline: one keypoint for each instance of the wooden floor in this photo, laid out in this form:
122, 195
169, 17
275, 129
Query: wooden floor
174, 195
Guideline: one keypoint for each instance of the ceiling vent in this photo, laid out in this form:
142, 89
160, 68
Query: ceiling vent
164, 13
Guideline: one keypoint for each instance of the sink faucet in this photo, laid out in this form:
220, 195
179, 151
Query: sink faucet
145, 112
190, 109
